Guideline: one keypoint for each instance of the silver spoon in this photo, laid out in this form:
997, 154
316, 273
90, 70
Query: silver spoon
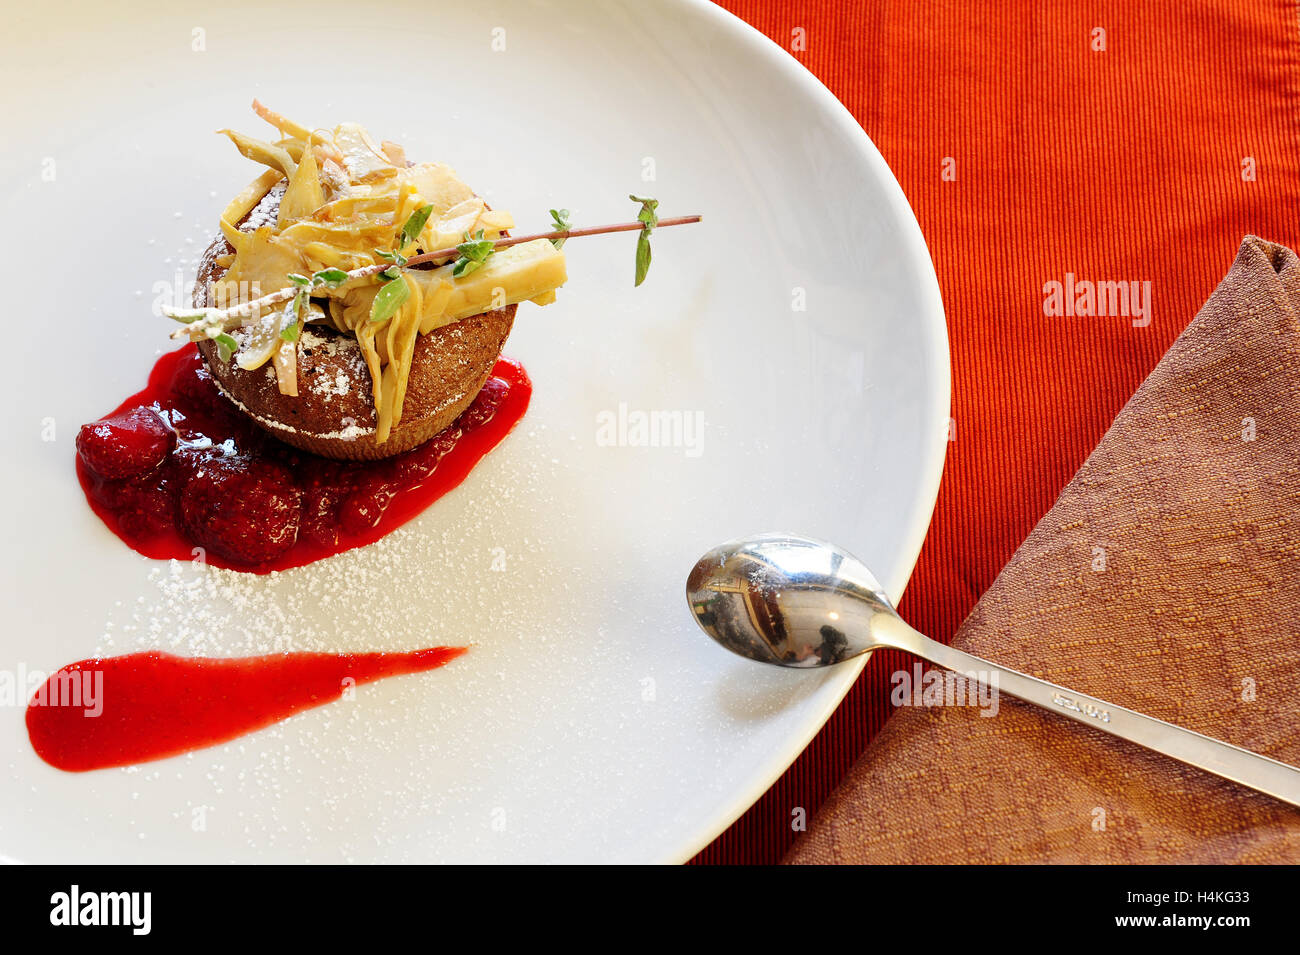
797, 602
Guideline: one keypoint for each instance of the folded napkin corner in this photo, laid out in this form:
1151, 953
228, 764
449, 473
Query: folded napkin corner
1165, 578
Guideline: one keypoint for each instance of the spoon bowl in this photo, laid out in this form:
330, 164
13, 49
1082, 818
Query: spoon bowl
786, 600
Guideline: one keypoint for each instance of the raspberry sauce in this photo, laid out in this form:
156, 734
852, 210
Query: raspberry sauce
225, 491
118, 711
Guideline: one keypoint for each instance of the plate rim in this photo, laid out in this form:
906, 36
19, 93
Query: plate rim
684, 838
932, 313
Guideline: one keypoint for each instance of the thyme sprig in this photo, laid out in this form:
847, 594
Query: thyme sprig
215, 323
560, 219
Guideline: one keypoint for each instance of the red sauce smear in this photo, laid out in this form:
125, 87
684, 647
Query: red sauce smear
117, 711
343, 504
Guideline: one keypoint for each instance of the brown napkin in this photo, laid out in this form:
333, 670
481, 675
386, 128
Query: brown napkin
1166, 578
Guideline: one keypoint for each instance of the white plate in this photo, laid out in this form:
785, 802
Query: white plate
591, 721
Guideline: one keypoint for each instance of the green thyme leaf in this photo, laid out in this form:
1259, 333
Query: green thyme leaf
295, 310
388, 300
647, 213
560, 223
642, 256
299, 280
649, 218
473, 253
415, 225
464, 267
329, 278
395, 257
226, 346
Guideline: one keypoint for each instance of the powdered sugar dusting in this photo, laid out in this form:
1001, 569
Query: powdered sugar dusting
429, 583
315, 344
348, 601
267, 210
325, 387
351, 433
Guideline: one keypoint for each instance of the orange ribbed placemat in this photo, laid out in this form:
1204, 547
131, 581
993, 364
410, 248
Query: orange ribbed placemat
1107, 141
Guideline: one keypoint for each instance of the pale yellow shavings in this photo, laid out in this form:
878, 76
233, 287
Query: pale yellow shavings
346, 197
251, 195
268, 154
304, 194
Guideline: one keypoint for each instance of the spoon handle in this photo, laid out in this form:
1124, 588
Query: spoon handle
1242, 766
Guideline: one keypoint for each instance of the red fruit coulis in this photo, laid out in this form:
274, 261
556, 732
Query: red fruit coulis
117, 711
342, 504
178, 462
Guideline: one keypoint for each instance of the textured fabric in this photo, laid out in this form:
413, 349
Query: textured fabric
1166, 578
1146, 161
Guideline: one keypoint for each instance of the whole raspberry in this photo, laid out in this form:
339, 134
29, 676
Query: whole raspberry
125, 445
364, 507
415, 466
143, 508
320, 515
246, 511
484, 405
